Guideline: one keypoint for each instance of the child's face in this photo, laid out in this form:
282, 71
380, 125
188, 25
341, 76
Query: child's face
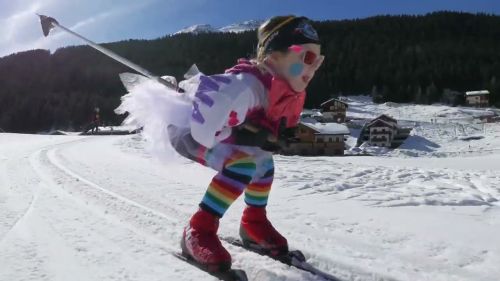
298, 65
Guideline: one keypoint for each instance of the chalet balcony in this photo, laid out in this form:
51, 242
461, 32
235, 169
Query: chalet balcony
379, 139
381, 133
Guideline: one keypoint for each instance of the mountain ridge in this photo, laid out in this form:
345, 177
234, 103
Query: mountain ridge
235, 27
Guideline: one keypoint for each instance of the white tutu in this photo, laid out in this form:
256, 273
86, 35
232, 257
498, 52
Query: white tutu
154, 107
203, 115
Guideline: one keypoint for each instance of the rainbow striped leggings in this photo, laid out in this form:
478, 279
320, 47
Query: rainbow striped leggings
240, 169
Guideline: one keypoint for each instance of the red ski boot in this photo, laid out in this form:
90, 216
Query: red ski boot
257, 232
200, 242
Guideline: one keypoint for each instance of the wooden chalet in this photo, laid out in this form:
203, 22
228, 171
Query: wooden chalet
477, 98
383, 131
334, 110
317, 138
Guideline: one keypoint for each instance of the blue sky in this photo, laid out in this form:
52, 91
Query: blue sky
113, 20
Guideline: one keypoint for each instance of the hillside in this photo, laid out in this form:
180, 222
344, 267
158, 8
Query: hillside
439, 131
392, 58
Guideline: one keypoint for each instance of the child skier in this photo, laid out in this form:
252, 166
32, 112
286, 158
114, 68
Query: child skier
235, 122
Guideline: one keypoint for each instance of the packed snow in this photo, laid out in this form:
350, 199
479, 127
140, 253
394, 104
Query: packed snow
101, 208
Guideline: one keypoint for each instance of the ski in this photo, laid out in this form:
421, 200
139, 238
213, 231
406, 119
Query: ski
228, 275
292, 258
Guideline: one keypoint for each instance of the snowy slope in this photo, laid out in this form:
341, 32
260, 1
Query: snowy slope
363, 107
197, 29
438, 130
100, 208
241, 27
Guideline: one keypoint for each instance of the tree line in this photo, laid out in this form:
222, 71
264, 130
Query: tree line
393, 58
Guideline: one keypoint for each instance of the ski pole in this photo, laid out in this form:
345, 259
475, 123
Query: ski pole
48, 23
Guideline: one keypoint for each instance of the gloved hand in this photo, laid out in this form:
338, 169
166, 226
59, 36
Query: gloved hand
251, 135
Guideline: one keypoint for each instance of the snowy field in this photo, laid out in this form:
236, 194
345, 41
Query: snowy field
100, 208
438, 130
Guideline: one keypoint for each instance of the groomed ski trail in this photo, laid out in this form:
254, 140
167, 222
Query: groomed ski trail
260, 266
101, 207
106, 214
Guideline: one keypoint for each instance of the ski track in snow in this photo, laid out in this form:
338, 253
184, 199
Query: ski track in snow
62, 234
114, 214
98, 209
163, 228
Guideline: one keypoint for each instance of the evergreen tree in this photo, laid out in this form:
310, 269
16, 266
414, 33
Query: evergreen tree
393, 58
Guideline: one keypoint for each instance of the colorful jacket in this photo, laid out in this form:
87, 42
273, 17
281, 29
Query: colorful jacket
242, 94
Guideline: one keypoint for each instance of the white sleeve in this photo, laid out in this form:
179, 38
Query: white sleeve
221, 102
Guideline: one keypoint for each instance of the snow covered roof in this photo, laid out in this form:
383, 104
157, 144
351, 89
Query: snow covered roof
325, 128
311, 113
476, 93
386, 118
333, 99
378, 121
389, 121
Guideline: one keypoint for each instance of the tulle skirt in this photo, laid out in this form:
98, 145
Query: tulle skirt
156, 108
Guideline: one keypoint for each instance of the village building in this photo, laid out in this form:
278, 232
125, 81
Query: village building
383, 131
477, 98
316, 138
334, 110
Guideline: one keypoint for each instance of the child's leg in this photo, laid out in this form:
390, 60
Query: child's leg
257, 192
255, 228
237, 170
236, 167
182, 141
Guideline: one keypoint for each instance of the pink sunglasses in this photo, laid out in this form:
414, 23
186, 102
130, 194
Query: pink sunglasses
309, 57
